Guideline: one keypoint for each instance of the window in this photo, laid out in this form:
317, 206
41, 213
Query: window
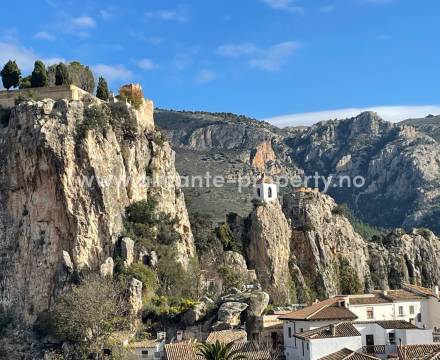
301, 330
419, 317
269, 194
392, 338
411, 309
290, 332
144, 354
400, 310
259, 192
302, 343
370, 313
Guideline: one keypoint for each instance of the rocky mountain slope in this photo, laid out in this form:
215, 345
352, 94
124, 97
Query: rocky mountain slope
64, 190
399, 162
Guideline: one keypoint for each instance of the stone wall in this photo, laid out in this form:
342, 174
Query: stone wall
68, 92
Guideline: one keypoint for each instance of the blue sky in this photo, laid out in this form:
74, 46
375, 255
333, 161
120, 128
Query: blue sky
261, 58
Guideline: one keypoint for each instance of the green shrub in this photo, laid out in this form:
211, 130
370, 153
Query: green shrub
230, 278
44, 325
6, 319
144, 274
159, 138
96, 117
348, 279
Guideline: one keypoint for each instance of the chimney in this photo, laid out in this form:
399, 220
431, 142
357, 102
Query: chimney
333, 329
435, 291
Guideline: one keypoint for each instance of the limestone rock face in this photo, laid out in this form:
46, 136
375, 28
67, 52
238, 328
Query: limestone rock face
65, 194
263, 154
106, 268
321, 239
135, 297
229, 312
127, 250
406, 258
268, 251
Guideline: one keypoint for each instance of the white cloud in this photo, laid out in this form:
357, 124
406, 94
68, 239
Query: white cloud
44, 35
274, 57
271, 58
205, 76
180, 14
285, 5
25, 57
112, 72
83, 22
106, 14
390, 113
236, 50
146, 64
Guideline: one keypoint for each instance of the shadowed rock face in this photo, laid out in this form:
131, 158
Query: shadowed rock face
47, 207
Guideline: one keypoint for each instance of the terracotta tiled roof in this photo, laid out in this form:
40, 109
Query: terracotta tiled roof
346, 354
419, 352
323, 310
188, 351
181, 351
419, 290
390, 324
402, 294
368, 299
227, 336
330, 331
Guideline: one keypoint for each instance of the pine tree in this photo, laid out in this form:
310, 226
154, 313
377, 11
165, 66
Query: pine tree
39, 75
62, 75
102, 91
10, 75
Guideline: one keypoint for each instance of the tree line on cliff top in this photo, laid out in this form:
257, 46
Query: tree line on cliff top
59, 74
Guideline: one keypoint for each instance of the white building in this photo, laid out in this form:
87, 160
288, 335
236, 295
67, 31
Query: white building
379, 339
416, 307
266, 189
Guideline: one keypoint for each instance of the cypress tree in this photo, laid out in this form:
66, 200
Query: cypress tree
39, 75
10, 75
102, 91
62, 75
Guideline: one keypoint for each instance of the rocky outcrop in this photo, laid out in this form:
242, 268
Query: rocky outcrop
262, 155
402, 257
63, 195
322, 238
268, 249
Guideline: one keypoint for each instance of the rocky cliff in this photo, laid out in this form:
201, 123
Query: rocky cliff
402, 257
64, 190
268, 250
399, 162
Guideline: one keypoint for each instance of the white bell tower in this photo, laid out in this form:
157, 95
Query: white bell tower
266, 190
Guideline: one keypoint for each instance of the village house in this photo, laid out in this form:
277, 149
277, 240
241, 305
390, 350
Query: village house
380, 339
380, 322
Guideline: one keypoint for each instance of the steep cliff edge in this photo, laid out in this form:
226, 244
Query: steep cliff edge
401, 257
325, 246
63, 193
269, 250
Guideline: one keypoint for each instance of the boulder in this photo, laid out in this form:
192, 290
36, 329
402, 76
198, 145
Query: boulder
191, 316
135, 296
153, 258
127, 250
257, 301
106, 269
67, 262
229, 312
